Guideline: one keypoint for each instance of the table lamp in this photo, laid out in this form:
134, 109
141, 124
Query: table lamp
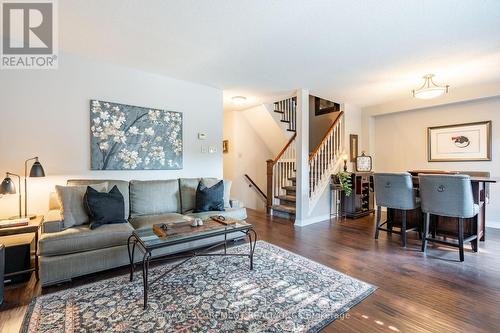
8, 187
35, 171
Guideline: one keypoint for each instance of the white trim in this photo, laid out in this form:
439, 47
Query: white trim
492, 224
311, 220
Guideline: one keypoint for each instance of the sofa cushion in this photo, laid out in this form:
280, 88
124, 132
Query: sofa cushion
153, 197
71, 202
149, 220
82, 238
235, 213
188, 193
122, 185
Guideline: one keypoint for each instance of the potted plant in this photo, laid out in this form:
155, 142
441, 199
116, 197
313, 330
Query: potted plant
344, 180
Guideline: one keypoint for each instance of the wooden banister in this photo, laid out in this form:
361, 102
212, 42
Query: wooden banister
315, 151
284, 148
254, 185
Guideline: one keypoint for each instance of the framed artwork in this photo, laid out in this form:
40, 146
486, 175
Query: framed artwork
460, 142
353, 147
225, 146
127, 137
324, 106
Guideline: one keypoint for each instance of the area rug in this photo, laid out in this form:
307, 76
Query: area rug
284, 293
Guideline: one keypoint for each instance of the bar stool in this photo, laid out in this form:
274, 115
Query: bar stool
395, 190
451, 196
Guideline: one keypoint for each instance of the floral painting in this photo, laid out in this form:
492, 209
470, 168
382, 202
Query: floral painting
126, 137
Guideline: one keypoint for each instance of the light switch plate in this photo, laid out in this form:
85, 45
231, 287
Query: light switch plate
204, 149
212, 149
202, 136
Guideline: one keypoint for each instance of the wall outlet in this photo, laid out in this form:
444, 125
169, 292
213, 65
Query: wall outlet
212, 149
204, 149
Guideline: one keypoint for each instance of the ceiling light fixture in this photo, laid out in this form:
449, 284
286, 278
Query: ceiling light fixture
429, 89
239, 100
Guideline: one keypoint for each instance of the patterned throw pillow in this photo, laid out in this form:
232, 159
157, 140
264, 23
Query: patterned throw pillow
209, 198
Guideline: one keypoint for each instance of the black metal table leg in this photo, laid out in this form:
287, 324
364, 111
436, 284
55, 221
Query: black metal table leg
131, 255
252, 245
145, 272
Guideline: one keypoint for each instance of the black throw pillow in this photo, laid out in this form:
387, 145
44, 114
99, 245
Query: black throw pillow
104, 208
209, 198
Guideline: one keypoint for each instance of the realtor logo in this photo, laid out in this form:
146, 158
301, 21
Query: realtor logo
29, 34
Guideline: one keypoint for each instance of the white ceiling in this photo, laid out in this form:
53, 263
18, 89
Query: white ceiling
360, 52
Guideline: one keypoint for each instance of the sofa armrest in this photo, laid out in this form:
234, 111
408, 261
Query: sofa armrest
52, 222
235, 203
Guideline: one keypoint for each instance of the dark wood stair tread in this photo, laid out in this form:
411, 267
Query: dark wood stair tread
284, 208
291, 198
290, 188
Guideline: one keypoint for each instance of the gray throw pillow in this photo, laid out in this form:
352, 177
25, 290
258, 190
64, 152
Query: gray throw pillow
71, 202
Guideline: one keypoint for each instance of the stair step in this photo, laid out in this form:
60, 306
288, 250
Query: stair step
290, 188
285, 121
293, 179
284, 208
289, 130
278, 111
289, 198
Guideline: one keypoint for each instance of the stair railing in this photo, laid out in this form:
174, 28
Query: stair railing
323, 161
288, 110
256, 187
279, 171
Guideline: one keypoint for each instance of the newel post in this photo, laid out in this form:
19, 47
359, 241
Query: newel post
269, 186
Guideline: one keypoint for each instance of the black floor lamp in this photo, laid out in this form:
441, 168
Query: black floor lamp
35, 171
8, 187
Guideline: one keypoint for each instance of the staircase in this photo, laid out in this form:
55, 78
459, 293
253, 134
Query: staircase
288, 110
323, 162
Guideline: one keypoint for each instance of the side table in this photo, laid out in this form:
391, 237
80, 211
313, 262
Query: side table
32, 227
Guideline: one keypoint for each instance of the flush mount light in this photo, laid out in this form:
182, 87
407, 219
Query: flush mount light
429, 89
239, 100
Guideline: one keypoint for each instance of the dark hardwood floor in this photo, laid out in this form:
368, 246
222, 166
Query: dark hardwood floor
417, 293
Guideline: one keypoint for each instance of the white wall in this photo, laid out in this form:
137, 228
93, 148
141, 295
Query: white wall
400, 142
248, 153
46, 113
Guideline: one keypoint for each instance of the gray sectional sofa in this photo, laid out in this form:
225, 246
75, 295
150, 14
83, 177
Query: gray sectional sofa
65, 253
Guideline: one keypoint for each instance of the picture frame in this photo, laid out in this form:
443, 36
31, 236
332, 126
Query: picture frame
353, 147
459, 142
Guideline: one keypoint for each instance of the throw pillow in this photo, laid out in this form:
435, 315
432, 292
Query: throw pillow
209, 198
104, 208
227, 188
71, 202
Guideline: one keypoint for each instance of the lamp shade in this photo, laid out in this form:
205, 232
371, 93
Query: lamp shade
7, 186
37, 170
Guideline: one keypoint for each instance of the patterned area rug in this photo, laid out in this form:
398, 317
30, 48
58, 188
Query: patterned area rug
284, 293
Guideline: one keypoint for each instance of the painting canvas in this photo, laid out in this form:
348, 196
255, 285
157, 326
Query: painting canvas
461, 142
126, 137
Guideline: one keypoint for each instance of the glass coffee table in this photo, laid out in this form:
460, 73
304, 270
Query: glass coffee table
162, 235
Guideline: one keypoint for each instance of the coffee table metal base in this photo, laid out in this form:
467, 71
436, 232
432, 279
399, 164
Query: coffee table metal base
133, 241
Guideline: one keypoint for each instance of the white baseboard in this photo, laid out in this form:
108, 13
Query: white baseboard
493, 224
311, 220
